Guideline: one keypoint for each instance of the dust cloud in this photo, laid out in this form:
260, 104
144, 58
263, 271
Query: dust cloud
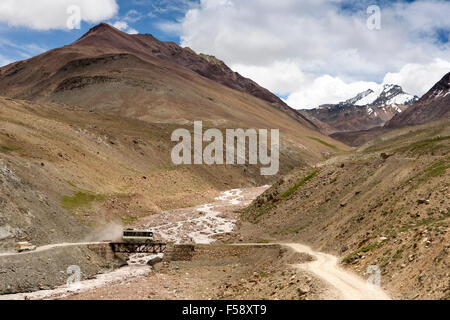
111, 231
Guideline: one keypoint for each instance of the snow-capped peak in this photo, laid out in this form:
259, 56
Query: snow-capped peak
386, 95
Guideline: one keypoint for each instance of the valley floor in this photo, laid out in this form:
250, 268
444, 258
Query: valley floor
259, 271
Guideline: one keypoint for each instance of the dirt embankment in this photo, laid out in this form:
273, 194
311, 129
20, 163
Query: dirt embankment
386, 205
44, 270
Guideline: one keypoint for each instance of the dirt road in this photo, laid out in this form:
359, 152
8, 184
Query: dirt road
49, 247
349, 285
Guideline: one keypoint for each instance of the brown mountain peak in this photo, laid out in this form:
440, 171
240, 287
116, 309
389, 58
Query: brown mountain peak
101, 28
105, 35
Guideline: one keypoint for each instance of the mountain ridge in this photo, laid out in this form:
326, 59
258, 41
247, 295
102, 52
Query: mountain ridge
140, 77
105, 39
434, 105
367, 110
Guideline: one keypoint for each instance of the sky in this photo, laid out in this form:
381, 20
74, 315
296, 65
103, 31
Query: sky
309, 52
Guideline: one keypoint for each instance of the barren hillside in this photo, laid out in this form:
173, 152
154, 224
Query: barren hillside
141, 77
434, 105
387, 205
64, 169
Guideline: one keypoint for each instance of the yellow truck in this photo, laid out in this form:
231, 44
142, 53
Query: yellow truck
24, 247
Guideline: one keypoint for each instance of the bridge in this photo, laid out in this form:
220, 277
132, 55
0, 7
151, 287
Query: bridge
151, 247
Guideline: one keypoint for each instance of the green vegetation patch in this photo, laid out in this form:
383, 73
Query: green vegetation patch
266, 208
80, 199
5, 148
353, 255
425, 222
291, 190
324, 143
426, 146
128, 220
436, 169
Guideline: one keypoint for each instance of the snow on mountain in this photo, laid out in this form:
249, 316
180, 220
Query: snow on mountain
371, 108
386, 95
434, 105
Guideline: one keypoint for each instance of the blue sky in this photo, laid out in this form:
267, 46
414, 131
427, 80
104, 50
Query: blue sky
22, 42
309, 52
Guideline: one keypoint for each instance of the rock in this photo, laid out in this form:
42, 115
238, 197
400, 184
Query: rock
343, 204
385, 156
303, 289
423, 201
154, 261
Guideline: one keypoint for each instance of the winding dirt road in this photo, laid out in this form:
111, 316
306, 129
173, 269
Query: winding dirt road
349, 285
49, 247
201, 224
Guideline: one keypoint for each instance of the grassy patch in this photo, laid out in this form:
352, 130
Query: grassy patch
253, 213
398, 254
264, 209
324, 143
128, 220
352, 255
5, 148
291, 190
425, 222
80, 199
425, 146
436, 169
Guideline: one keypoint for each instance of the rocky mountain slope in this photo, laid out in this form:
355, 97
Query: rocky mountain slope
386, 205
64, 171
434, 105
367, 110
138, 76
91, 144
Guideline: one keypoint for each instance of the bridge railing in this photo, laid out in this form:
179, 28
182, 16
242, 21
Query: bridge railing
125, 247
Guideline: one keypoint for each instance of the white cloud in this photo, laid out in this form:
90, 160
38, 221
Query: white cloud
169, 27
282, 77
17, 51
123, 26
4, 61
419, 78
327, 89
289, 45
52, 14
170, 6
133, 16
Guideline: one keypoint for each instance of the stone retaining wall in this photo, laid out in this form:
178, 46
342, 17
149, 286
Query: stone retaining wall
183, 252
